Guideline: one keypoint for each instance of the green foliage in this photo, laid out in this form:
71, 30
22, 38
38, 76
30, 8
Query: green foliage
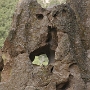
6, 11
41, 60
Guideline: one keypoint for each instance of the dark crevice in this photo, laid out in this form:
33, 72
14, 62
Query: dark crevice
52, 69
22, 52
49, 37
52, 33
1, 66
65, 86
52, 28
52, 38
39, 16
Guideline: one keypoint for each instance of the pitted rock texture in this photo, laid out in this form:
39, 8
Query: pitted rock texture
35, 31
82, 11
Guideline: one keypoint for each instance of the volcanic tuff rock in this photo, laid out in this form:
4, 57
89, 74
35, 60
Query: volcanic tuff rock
54, 32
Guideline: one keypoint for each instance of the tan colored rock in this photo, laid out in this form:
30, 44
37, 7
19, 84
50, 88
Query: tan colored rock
35, 31
6, 72
82, 11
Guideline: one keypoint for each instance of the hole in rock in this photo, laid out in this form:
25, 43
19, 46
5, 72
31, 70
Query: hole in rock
46, 53
52, 69
42, 55
39, 16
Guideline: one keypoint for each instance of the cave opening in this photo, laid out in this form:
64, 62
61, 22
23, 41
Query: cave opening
46, 53
42, 56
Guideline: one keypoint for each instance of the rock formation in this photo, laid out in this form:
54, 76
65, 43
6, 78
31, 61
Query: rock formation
54, 32
1, 64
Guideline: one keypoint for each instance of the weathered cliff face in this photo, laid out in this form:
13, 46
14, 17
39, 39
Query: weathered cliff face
82, 11
54, 32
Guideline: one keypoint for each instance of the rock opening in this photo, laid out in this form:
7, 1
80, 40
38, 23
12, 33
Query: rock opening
49, 48
39, 16
44, 51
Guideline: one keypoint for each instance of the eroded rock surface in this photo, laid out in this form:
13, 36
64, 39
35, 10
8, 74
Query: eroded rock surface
35, 31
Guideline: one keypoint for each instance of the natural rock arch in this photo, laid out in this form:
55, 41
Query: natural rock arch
34, 31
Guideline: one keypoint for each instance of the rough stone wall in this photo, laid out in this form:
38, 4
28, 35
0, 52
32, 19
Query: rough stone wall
82, 11
54, 32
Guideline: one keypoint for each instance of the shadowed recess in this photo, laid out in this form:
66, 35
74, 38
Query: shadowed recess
45, 51
62, 86
1, 66
39, 16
